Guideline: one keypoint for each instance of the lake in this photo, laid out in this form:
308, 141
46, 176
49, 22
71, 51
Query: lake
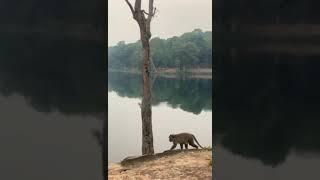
266, 120
178, 105
52, 108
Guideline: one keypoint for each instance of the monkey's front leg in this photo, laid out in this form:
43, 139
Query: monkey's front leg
173, 146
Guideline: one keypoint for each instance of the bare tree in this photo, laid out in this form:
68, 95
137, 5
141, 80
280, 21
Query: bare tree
143, 19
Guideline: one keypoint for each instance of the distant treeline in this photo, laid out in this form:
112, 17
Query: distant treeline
192, 49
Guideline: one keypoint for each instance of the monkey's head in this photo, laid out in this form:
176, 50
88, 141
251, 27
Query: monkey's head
171, 137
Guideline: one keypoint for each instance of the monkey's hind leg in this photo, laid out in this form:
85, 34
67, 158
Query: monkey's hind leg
181, 145
186, 145
193, 145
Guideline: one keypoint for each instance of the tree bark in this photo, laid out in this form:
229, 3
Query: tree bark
145, 35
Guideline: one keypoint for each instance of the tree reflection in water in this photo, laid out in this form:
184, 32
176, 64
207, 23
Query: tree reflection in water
64, 75
266, 103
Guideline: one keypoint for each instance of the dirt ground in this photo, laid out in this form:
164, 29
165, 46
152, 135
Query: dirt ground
190, 165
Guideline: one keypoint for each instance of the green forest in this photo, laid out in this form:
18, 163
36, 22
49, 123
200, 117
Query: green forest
191, 49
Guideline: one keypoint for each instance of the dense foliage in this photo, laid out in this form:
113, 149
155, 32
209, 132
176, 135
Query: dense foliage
192, 49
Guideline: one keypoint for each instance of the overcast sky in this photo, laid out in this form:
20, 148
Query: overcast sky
174, 17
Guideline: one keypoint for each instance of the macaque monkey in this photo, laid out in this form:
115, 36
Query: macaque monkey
183, 139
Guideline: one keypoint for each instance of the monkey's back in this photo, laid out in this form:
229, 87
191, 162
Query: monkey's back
183, 137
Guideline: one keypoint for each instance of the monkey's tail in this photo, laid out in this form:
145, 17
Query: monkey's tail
196, 141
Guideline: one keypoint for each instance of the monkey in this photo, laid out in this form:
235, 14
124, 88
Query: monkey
183, 139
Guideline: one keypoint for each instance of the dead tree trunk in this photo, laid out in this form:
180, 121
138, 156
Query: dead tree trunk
145, 35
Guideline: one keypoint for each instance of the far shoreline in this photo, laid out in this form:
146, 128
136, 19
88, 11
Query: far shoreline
201, 73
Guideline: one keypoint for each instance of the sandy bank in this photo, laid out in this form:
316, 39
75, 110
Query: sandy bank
185, 164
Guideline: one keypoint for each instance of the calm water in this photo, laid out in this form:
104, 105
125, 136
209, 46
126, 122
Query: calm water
179, 105
266, 121
52, 109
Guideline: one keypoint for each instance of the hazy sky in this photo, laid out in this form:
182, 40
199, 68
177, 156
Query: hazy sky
174, 17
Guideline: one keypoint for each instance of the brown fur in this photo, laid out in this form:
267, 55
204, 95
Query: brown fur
183, 139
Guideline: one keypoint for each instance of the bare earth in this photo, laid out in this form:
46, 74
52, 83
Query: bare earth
191, 165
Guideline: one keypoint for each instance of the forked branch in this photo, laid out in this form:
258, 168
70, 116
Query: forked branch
153, 13
137, 9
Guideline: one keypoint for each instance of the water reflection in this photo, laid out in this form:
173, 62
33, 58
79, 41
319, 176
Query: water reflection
52, 108
189, 94
266, 111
